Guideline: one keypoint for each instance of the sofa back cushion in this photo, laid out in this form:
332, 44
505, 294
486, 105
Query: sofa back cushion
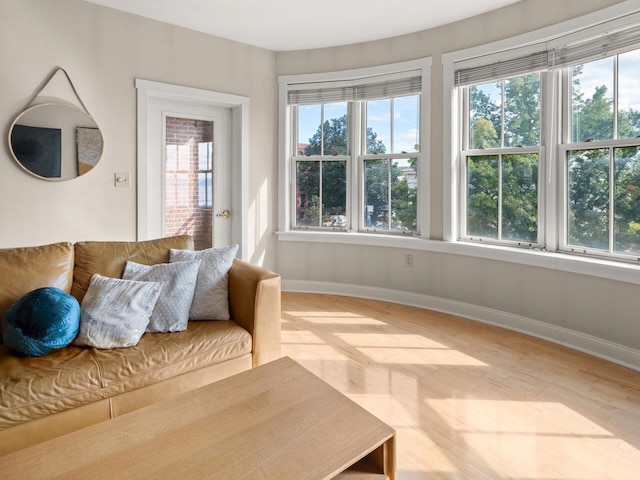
26, 268
109, 258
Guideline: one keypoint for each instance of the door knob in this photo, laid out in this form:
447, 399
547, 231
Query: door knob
225, 214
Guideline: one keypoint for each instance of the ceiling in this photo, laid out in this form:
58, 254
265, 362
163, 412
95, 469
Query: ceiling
281, 25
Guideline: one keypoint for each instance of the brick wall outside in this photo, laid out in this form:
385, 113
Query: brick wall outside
183, 215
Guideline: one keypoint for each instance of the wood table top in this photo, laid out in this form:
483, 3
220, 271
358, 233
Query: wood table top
276, 421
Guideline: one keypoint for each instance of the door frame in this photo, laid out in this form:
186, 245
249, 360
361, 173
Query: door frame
239, 148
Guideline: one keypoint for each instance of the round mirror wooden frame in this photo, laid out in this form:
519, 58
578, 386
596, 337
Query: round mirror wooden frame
55, 141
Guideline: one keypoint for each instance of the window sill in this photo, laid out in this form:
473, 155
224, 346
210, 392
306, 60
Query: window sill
612, 270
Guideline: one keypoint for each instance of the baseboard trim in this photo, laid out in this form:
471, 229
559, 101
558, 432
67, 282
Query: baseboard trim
595, 346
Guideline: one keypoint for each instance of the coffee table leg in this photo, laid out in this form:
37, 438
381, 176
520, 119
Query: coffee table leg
390, 458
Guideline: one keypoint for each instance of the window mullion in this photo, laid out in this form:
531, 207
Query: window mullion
502, 97
500, 165
612, 199
389, 163
355, 181
320, 174
615, 97
322, 129
391, 122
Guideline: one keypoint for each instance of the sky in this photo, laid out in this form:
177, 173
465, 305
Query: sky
405, 117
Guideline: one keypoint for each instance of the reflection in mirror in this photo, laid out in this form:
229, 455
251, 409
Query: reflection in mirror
55, 141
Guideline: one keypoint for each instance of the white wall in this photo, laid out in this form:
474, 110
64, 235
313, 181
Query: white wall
591, 313
103, 51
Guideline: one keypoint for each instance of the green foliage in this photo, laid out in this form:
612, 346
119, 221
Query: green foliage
522, 111
316, 208
589, 200
403, 197
334, 139
311, 211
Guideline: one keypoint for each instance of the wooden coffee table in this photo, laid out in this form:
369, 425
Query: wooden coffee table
277, 421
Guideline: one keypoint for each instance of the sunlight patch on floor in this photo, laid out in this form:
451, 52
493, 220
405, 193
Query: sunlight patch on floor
337, 318
417, 356
519, 438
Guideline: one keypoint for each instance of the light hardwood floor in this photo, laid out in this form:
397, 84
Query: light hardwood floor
468, 400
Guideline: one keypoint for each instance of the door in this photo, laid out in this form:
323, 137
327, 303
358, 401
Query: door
195, 171
230, 166
189, 172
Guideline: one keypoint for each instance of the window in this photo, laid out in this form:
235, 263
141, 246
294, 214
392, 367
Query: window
321, 165
602, 158
355, 149
501, 160
205, 173
390, 165
549, 146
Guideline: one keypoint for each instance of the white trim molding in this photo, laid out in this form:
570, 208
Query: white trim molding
346, 78
613, 352
239, 106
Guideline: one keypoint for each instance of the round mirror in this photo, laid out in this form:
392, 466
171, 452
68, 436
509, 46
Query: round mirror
55, 141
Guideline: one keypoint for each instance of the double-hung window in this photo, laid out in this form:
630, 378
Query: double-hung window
549, 145
600, 154
500, 160
320, 163
389, 164
354, 150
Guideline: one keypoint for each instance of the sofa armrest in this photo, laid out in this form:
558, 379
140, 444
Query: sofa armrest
254, 304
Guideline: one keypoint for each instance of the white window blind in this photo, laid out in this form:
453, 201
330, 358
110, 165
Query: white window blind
356, 91
594, 48
505, 69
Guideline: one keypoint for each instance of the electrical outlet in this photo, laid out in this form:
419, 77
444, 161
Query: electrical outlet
408, 260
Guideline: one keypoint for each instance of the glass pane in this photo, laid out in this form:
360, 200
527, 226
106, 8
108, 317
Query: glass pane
204, 189
404, 189
334, 193
482, 196
376, 193
588, 199
204, 155
629, 94
309, 123
522, 111
187, 179
308, 194
592, 99
485, 103
379, 126
335, 129
406, 124
520, 197
627, 206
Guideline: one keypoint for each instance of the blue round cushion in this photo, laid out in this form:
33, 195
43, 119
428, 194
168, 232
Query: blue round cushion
40, 321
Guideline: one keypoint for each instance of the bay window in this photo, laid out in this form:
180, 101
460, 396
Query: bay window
549, 146
354, 150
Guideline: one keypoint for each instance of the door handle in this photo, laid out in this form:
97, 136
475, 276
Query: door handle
224, 214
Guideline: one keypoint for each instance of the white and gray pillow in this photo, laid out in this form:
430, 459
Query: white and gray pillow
115, 313
211, 297
171, 313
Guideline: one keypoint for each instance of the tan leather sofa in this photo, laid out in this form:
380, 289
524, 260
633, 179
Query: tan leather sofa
73, 387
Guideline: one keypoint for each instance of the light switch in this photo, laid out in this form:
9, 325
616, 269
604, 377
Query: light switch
122, 179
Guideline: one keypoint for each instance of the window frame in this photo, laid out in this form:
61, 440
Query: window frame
356, 142
317, 158
554, 124
466, 152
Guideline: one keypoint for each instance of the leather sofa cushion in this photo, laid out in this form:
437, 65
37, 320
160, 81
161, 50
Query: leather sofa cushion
109, 258
159, 356
26, 268
35, 387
